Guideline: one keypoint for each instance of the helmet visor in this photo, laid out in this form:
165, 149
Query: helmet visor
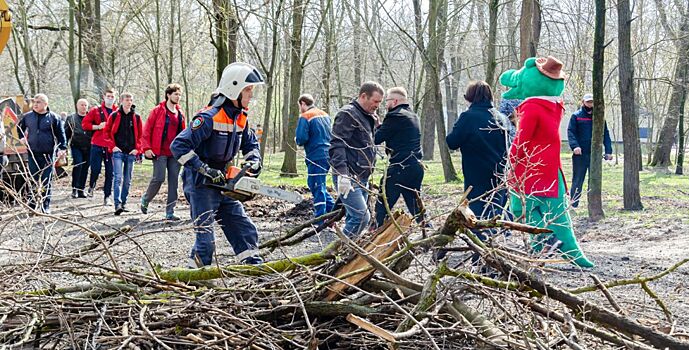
254, 77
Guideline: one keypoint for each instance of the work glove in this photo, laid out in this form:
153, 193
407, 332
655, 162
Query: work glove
255, 167
344, 185
4, 161
215, 175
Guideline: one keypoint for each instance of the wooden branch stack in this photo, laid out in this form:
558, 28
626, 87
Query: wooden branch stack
380, 291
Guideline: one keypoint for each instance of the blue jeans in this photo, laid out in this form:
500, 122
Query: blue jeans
209, 205
100, 155
41, 168
356, 207
123, 168
317, 182
80, 159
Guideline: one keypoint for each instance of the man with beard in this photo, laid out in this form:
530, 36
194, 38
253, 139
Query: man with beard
164, 123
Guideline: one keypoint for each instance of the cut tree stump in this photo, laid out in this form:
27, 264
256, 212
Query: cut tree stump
385, 242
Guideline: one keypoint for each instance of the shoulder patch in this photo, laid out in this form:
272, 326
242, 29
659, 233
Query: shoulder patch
196, 123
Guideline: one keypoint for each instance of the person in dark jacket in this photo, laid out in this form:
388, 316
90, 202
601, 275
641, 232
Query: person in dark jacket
213, 140
164, 123
313, 133
353, 156
401, 133
43, 133
480, 136
123, 131
95, 122
80, 146
579, 134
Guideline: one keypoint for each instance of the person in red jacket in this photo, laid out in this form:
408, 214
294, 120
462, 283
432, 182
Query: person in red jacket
164, 123
123, 130
95, 122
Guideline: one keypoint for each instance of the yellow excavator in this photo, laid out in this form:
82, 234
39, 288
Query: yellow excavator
5, 24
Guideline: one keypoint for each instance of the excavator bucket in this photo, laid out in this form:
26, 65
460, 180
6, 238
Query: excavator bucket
5, 24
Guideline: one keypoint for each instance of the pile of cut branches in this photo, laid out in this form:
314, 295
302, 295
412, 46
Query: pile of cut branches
383, 290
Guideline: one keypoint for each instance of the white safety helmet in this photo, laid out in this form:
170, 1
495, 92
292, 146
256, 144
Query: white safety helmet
237, 76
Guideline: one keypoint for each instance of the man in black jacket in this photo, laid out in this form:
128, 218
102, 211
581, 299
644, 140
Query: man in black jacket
352, 154
402, 136
80, 146
43, 133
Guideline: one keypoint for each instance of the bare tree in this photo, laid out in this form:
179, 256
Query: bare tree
529, 29
630, 118
661, 155
595, 202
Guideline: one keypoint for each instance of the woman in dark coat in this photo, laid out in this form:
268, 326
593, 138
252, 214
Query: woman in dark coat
480, 134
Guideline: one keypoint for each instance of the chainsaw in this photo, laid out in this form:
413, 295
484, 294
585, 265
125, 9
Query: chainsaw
240, 185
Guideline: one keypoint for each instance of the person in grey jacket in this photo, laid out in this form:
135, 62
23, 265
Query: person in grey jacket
80, 146
352, 154
43, 133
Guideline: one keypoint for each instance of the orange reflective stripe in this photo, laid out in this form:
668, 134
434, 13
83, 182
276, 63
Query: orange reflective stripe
221, 122
313, 113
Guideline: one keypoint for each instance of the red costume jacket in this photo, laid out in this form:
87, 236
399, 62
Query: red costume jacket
535, 153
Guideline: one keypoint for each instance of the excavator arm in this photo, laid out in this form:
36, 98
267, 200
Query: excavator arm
5, 24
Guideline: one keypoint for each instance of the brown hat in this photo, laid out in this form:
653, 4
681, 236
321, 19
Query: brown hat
551, 67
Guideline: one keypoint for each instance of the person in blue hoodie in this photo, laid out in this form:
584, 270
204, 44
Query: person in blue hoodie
579, 134
313, 133
44, 135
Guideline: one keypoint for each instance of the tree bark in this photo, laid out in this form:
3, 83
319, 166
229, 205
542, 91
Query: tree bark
226, 28
289, 164
89, 20
680, 139
661, 155
595, 204
529, 29
630, 117
72, 61
491, 62
270, 78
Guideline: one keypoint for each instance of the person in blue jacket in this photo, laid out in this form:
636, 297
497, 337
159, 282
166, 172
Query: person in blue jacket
480, 134
579, 134
313, 133
205, 148
44, 135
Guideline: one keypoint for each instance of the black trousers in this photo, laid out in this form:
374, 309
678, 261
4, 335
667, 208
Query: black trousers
402, 181
580, 166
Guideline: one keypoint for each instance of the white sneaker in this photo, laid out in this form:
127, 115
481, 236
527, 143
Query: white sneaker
107, 201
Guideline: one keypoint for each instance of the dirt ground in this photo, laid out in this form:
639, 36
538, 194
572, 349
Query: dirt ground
622, 246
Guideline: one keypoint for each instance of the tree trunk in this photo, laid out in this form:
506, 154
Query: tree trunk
329, 46
289, 164
72, 56
270, 78
171, 33
630, 118
225, 41
595, 204
491, 62
433, 114
529, 29
89, 20
680, 140
661, 156
356, 19
427, 117
182, 63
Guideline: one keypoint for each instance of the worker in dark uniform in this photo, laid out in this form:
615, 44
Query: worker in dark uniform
205, 148
579, 134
